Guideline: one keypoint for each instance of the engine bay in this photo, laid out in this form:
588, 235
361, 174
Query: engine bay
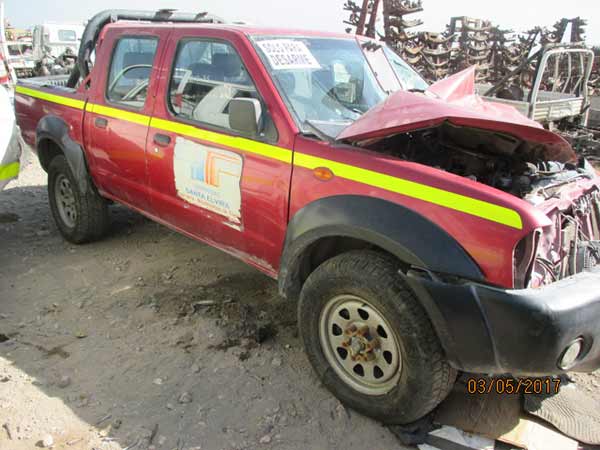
570, 245
497, 160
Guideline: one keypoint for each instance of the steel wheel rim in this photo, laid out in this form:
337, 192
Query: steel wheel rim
65, 201
354, 333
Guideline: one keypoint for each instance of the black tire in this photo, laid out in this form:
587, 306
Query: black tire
91, 220
425, 379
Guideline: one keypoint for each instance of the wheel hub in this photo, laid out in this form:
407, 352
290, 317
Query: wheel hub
360, 345
65, 200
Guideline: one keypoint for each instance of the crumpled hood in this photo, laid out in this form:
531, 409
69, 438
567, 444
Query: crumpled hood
453, 100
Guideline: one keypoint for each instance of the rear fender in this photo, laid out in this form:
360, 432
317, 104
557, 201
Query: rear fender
55, 129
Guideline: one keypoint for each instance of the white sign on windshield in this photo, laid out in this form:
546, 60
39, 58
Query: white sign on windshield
288, 54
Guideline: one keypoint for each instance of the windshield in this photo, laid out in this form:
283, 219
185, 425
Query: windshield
326, 82
392, 72
407, 76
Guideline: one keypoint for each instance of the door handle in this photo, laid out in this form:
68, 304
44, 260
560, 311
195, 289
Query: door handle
100, 122
162, 140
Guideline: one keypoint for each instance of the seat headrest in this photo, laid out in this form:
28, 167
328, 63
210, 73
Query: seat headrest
226, 65
136, 59
200, 69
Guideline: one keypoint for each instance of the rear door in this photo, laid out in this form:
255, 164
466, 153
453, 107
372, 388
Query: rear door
206, 179
119, 109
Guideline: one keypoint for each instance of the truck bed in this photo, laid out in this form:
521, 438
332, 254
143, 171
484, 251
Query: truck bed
51, 80
38, 97
549, 107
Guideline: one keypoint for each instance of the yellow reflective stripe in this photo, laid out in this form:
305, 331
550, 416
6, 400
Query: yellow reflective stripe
59, 99
121, 114
8, 171
447, 199
451, 200
259, 148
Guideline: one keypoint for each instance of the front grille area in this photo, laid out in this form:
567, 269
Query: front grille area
571, 245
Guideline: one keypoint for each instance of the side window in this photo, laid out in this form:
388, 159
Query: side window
130, 70
207, 75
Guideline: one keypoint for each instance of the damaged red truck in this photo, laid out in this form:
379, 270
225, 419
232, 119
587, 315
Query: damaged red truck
424, 230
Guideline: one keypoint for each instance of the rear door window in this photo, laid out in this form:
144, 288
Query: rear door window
130, 71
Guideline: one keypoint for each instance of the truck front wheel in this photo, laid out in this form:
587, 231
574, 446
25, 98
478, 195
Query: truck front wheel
80, 217
369, 339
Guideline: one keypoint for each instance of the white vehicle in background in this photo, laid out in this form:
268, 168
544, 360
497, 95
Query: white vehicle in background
20, 58
10, 146
7, 76
55, 47
54, 39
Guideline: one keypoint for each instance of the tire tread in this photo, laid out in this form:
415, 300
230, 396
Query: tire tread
368, 265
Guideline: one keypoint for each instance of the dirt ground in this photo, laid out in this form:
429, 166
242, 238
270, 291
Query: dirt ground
150, 340
150, 336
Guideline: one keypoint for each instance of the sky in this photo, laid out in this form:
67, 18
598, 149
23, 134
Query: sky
320, 14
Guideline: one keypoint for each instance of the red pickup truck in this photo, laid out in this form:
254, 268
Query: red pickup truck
423, 230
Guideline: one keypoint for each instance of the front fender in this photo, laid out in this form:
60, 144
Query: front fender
400, 231
55, 129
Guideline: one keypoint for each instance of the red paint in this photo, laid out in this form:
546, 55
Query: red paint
129, 167
453, 100
117, 152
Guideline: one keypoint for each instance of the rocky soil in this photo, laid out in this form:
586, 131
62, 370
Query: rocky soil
149, 340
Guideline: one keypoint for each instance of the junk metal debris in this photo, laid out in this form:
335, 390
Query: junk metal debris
549, 75
466, 41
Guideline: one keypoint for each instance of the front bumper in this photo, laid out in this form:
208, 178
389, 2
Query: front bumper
491, 330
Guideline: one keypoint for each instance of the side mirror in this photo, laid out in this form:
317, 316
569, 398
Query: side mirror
245, 115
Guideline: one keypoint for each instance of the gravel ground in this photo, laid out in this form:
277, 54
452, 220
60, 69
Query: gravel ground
152, 340
150, 336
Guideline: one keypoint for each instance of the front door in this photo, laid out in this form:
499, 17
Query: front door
206, 179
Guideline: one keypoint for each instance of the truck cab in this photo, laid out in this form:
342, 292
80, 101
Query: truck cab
423, 230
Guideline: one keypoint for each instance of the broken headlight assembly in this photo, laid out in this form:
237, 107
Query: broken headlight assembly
523, 259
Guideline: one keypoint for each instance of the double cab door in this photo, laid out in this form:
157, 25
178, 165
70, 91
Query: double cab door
118, 113
161, 139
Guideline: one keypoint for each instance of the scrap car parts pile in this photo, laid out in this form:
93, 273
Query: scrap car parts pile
465, 41
530, 70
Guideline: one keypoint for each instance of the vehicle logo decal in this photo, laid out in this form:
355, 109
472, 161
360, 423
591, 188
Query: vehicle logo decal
430, 194
208, 177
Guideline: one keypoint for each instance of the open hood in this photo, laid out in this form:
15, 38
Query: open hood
453, 100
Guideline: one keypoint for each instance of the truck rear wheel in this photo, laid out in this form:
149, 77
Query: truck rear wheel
370, 341
80, 217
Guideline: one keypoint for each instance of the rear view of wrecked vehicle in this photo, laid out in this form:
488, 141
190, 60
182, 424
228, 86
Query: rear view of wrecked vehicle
424, 230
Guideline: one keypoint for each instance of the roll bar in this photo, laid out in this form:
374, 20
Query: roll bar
97, 23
